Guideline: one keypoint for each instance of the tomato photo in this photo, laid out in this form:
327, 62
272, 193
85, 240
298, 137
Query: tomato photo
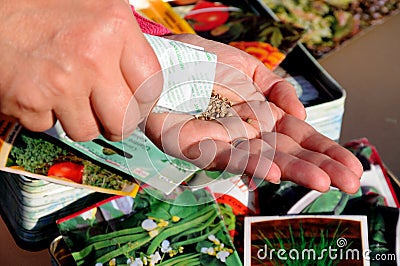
206, 15
69, 170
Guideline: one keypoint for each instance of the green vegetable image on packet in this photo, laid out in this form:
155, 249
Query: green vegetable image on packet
41, 156
184, 229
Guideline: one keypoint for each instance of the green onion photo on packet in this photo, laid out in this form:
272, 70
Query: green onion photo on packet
183, 229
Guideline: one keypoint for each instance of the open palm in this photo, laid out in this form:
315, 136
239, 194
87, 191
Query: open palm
276, 144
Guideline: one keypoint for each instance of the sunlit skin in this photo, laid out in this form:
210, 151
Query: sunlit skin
75, 61
281, 145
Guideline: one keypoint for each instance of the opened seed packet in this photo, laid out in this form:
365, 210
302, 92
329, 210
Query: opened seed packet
41, 156
184, 228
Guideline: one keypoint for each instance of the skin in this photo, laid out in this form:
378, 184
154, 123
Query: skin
280, 145
84, 70
81, 68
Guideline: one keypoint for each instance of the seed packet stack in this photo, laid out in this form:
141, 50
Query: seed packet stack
30, 207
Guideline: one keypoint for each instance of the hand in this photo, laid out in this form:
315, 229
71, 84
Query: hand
76, 61
257, 82
279, 145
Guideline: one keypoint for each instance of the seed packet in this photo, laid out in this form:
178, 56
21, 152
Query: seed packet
41, 156
302, 240
184, 228
375, 200
236, 196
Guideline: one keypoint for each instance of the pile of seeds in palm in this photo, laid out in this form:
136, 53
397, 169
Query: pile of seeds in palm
218, 107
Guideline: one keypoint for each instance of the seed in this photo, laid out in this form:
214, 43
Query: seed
217, 107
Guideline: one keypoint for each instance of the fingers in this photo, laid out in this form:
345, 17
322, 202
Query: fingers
291, 161
297, 140
175, 133
284, 95
43, 94
247, 76
113, 105
235, 84
260, 160
271, 156
310, 139
207, 144
124, 90
77, 118
335, 151
312, 169
280, 92
140, 69
215, 154
257, 114
19, 106
306, 168
302, 172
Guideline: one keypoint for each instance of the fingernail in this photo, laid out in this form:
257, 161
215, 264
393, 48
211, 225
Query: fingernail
277, 182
